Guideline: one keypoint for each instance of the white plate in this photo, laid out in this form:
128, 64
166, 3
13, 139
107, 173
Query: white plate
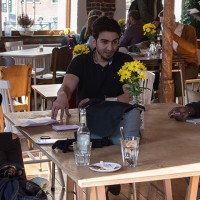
97, 167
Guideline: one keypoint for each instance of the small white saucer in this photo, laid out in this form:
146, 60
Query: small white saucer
97, 167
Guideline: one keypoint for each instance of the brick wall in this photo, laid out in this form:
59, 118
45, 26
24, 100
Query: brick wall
107, 6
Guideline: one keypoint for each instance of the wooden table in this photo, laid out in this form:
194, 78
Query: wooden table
47, 92
169, 149
30, 56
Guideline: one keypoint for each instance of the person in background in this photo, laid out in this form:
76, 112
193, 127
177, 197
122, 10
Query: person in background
88, 33
134, 30
82, 39
184, 46
148, 10
183, 112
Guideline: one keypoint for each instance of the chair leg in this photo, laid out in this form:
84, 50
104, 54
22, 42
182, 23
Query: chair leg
53, 177
186, 91
30, 145
60, 174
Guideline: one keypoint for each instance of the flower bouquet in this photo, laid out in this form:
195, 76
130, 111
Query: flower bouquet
132, 73
122, 25
150, 31
80, 49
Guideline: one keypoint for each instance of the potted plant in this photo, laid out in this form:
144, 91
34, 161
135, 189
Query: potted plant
26, 23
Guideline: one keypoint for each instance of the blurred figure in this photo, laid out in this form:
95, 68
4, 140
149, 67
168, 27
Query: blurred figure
184, 46
88, 33
148, 10
82, 39
134, 30
183, 112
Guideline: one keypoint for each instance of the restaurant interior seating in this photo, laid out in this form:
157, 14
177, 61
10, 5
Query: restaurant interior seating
61, 57
13, 46
18, 45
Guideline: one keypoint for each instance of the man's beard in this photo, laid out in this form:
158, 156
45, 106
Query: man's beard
105, 58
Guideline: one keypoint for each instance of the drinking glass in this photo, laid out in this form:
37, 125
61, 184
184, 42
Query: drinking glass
82, 157
130, 150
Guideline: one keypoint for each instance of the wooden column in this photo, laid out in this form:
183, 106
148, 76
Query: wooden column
166, 85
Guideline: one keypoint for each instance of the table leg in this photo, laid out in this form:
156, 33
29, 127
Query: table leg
79, 192
192, 188
168, 189
70, 189
98, 193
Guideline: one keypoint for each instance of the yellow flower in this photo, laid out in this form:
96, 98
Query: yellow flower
122, 24
80, 49
150, 31
133, 73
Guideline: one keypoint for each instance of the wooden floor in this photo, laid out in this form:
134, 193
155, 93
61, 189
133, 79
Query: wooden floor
145, 191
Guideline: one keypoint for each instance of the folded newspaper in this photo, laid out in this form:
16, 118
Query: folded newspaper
36, 122
64, 127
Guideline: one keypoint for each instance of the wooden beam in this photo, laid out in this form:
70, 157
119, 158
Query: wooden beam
68, 13
166, 85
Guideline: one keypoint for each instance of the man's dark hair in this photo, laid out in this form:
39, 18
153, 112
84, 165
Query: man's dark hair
105, 24
134, 14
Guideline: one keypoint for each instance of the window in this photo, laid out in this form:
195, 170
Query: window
48, 14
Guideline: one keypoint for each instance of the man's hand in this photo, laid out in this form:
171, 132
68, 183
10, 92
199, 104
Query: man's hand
61, 103
179, 113
125, 98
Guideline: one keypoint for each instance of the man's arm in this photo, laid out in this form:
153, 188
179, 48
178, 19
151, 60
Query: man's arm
69, 84
189, 43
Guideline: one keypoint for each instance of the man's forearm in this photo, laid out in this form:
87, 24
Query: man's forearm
64, 90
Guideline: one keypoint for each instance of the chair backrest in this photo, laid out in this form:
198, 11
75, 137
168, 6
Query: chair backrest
7, 104
7, 61
12, 46
19, 77
148, 83
61, 57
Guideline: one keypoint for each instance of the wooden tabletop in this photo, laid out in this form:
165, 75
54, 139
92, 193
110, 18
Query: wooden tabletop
47, 91
169, 149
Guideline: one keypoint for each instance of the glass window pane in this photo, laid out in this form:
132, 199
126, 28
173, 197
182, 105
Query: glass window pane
48, 15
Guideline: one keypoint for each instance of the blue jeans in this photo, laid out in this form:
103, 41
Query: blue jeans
131, 124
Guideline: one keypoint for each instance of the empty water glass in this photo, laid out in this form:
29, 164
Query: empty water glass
82, 157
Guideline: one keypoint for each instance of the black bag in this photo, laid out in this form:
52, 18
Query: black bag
104, 116
14, 187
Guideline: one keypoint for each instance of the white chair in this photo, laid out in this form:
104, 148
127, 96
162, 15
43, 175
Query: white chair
7, 107
13, 46
148, 84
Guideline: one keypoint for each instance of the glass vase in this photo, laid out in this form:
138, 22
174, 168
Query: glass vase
152, 50
138, 100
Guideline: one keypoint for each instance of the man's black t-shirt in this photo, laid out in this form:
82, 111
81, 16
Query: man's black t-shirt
96, 81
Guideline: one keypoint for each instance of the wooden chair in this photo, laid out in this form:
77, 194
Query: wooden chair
20, 82
61, 57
